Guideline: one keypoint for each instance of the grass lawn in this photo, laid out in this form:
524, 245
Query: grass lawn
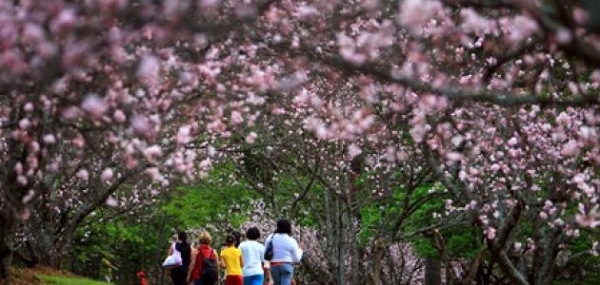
48, 276
63, 280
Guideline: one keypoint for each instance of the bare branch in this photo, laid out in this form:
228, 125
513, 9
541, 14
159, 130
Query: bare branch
512, 270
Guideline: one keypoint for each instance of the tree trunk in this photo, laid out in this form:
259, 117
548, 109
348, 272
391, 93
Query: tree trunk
354, 224
32, 260
44, 232
433, 274
46, 247
51, 259
159, 252
7, 234
377, 258
341, 245
11, 204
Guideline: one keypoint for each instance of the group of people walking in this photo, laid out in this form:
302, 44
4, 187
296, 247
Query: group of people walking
244, 262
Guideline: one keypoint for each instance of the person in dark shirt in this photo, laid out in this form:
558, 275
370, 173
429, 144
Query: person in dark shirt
179, 273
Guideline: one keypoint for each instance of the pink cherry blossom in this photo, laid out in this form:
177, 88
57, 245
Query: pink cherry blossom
119, 116
473, 22
112, 202
83, 174
564, 36
49, 139
183, 135
454, 156
33, 34
415, 13
580, 16
521, 27
107, 174
154, 173
64, 21
22, 180
251, 138
569, 149
306, 12
236, 117
208, 4
588, 219
79, 141
148, 70
28, 107
206, 164
71, 112
141, 124
490, 233
354, 150
24, 124
152, 153
94, 106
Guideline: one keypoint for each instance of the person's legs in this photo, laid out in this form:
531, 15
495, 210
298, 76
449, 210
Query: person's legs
276, 274
234, 280
259, 279
179, 276
173, 277
286, 274
180, 280
248, 279
254, 279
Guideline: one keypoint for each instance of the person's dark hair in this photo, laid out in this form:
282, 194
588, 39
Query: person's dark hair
284, 227
230, 240
182, 237
253, 233
238, 238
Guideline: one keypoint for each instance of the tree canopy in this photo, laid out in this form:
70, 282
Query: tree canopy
324, 106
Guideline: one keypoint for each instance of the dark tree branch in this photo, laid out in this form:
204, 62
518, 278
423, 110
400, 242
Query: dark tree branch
506, 99
307, 188
511, 269
511, 55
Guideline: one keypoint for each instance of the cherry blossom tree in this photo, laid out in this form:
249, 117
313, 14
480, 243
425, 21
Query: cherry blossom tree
97, 93
332, 183
498, 97
448, 58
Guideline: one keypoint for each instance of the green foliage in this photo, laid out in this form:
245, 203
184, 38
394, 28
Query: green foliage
258, 167
371, 218
134, 241
459, 242
305, 214
61, 280
584, 270
421, 218
423, 215
463, 242
384, 213
125, 241
219, 199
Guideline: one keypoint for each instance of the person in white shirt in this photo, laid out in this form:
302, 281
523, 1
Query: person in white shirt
285, 252
253, 254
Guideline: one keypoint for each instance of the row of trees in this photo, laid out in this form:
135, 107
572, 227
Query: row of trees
391, 203
490, 106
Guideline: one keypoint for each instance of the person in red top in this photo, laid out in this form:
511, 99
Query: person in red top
142, 277
203, 252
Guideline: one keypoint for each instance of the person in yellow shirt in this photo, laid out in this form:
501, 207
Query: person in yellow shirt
231, 259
